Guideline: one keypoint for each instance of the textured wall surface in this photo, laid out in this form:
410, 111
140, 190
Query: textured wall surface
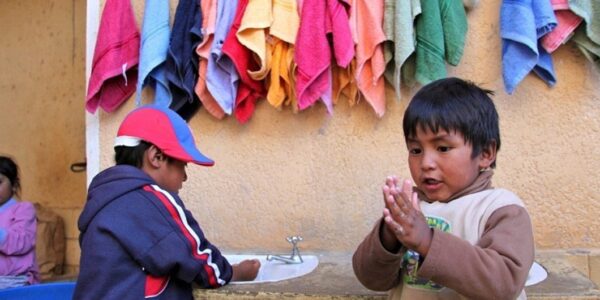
42, 87
321, 176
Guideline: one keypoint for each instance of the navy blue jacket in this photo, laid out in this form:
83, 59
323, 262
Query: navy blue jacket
138, 241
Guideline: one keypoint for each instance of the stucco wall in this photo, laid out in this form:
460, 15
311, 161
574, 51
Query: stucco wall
42, 87
321, 176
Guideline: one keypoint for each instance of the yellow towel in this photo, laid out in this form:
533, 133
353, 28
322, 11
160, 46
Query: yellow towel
252, 34
283, 32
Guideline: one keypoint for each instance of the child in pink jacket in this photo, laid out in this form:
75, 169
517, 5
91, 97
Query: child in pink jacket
17, 231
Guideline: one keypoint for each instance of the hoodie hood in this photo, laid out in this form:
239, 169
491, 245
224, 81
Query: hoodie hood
109, 185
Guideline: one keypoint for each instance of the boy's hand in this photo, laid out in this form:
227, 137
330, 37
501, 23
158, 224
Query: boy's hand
404, 218
246, 270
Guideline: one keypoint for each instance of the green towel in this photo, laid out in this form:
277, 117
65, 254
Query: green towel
590, 49
441, 30
589, 11
398, 26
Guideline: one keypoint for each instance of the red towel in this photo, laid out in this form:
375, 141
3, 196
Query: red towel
116, 56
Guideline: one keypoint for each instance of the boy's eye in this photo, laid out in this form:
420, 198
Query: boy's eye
443, 149
414, 150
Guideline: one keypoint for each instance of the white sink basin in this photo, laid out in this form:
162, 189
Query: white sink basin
273, 271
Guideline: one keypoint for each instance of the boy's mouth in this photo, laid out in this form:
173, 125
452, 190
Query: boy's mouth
431, 184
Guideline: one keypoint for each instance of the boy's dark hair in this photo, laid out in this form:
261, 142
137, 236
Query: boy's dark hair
134, 156
453, 104
10, 169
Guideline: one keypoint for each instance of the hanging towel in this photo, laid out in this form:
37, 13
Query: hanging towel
254, 26
221, 76
249, 90
589, 10
370, 62
153, 52
116, 56
522, 24
567, 23
313, 51
441, 29
344, 83
182, 62
312, 55
399, 19
283, 35
590, 49
209, 9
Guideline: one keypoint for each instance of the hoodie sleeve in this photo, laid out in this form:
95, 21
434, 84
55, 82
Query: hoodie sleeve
165, 240
19, 237
185, 249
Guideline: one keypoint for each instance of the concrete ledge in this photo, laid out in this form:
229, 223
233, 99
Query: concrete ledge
334, 279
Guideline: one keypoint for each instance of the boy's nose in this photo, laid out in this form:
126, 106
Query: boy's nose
428, 162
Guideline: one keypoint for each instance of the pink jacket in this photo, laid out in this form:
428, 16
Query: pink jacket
17, 240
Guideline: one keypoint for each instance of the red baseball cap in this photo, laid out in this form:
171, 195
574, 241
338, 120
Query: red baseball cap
165, 129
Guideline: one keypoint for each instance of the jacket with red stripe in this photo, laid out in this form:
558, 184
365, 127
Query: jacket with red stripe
138, 241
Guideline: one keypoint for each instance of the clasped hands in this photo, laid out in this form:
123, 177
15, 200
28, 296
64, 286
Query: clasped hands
404, 223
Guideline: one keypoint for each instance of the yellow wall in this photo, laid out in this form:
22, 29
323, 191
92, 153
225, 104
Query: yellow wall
320, 176
42, 89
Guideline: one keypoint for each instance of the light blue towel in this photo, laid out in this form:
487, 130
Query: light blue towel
222, 78
153, 52
522, 24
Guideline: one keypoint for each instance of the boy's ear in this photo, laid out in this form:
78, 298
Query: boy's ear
487, 156
153, 157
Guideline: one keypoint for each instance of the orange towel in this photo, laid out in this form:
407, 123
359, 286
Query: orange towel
367, 17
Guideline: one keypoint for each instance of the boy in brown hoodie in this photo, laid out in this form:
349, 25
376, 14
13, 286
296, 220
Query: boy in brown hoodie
451, 235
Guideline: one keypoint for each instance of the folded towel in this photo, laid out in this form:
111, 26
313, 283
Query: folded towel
319, 19
249, 90
153, 51
182, 62
209, 10
370, 62
116, 56
590, 49
283, 32
399, 18
522, 23
589, 10
441, 29
567, 23
221, 76
254, 26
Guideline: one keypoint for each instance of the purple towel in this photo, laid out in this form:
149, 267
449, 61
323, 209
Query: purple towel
522, 24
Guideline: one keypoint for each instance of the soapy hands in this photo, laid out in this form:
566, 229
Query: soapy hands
405, 224
246, 270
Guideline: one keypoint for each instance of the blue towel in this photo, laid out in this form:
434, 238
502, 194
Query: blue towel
153, 52
522, 24
182, 60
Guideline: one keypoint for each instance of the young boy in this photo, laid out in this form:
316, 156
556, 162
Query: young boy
453, 236
137, 238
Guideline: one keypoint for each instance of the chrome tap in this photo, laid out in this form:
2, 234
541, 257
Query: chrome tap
295, 257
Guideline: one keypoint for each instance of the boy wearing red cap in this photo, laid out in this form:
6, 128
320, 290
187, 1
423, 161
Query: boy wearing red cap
137, 238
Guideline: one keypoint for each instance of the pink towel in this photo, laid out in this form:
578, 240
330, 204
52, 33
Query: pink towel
567, 23
313, 52
114, 68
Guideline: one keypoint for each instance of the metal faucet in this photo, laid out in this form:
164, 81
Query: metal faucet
295, 257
